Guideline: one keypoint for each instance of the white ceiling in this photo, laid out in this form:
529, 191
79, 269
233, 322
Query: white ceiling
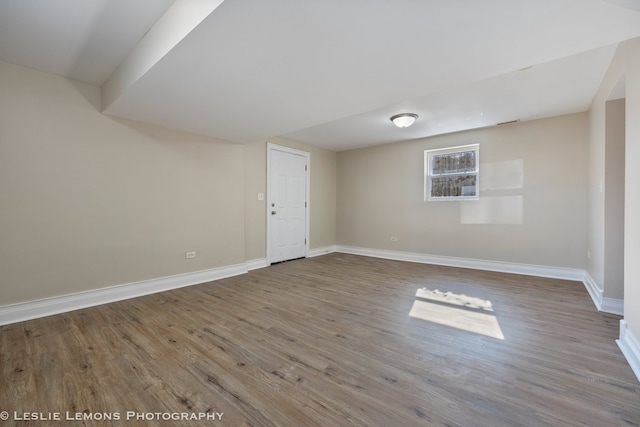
81, 39
330, 72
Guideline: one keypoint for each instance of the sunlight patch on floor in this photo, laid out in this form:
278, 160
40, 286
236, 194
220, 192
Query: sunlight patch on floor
457, 311
454, 299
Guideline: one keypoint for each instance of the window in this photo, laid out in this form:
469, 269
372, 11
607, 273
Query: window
451, 173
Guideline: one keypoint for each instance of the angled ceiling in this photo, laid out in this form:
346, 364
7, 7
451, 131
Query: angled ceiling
81, 39
329, 73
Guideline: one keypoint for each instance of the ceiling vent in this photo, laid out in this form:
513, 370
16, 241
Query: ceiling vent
509, 122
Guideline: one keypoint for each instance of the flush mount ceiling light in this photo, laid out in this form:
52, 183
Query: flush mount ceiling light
404, 120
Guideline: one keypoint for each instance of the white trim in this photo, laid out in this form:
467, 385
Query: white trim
613, 306
276, 147
594, 290
504, 267
56, 305
321, 251
429, 175
630, 347
608, 305
255, 264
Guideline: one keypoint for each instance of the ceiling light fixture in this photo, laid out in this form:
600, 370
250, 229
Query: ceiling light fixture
404, 120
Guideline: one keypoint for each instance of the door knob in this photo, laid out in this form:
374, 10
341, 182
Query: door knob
273, 212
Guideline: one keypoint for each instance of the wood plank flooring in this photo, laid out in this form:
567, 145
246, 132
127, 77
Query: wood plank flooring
328, 341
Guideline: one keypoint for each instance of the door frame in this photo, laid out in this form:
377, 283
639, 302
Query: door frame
271, 147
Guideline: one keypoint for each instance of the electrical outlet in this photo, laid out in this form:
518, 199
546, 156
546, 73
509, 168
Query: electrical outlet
394, 239
189, 255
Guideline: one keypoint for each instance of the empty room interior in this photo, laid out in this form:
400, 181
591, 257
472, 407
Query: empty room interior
318, 213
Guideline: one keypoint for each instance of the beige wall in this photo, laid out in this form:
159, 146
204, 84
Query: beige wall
614, 200
532, 206
625, 68
89, 201
255, 172
632, 190
596, 200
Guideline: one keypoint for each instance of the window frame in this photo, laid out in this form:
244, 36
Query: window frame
430, 174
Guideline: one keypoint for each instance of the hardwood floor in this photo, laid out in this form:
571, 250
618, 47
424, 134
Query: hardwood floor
328, 341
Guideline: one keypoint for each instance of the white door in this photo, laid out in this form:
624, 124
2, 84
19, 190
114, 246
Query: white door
287, 205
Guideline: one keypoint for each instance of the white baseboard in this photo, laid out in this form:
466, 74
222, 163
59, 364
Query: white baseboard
49, 306
608, 305
321, 251
630, 347
56, 305
255, 264
504, 267
613, 306
594, 290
